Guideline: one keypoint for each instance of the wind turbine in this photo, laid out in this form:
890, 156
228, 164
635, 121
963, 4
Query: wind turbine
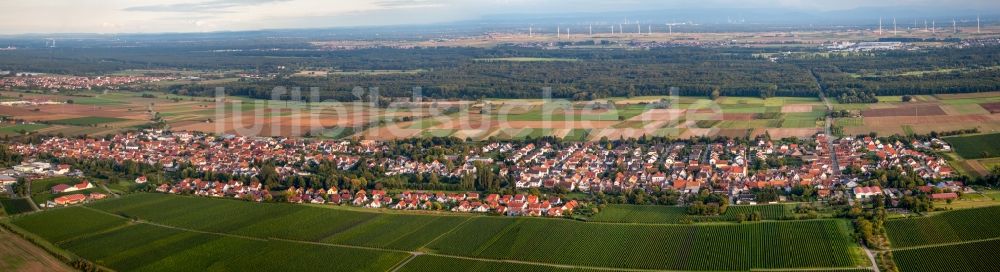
670, 28
894, 26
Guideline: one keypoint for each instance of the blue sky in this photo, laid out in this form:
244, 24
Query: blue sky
125, 16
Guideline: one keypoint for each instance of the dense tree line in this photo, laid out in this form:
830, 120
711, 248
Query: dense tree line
901, 72
595, 74
707, 202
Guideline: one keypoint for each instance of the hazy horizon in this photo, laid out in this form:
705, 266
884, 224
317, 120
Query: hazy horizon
158, 16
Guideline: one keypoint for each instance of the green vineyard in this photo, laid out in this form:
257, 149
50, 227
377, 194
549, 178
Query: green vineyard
15, 206
194, 232
655, 214
150, 248
672, 247
971, 257
447, 264
947, 227
62, 224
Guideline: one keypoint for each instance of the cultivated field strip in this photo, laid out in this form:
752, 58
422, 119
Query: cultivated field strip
285, 221
143, 247
972, 257
293, 234
448, 264
63, 224
670, 247
640, 214
947, 227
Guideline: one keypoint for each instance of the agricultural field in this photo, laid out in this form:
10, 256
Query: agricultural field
17, 254
20, 128
376, 230
942, 112
101, 113
86, 121
448, 264
15, 206
971, 257
976, 146
946, 227
104, 113
959, 240
641, 214
204, 232
670, 247
152, 248
64, 224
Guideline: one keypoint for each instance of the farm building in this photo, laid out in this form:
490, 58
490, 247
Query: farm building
63, 188
70, 199
867, 192
6, 180
944, 196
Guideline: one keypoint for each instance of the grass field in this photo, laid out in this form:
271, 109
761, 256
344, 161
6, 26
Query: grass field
45, 184
213, 233
577, 134
849, 122
976, 146
87, 121
13, 129
990, 163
